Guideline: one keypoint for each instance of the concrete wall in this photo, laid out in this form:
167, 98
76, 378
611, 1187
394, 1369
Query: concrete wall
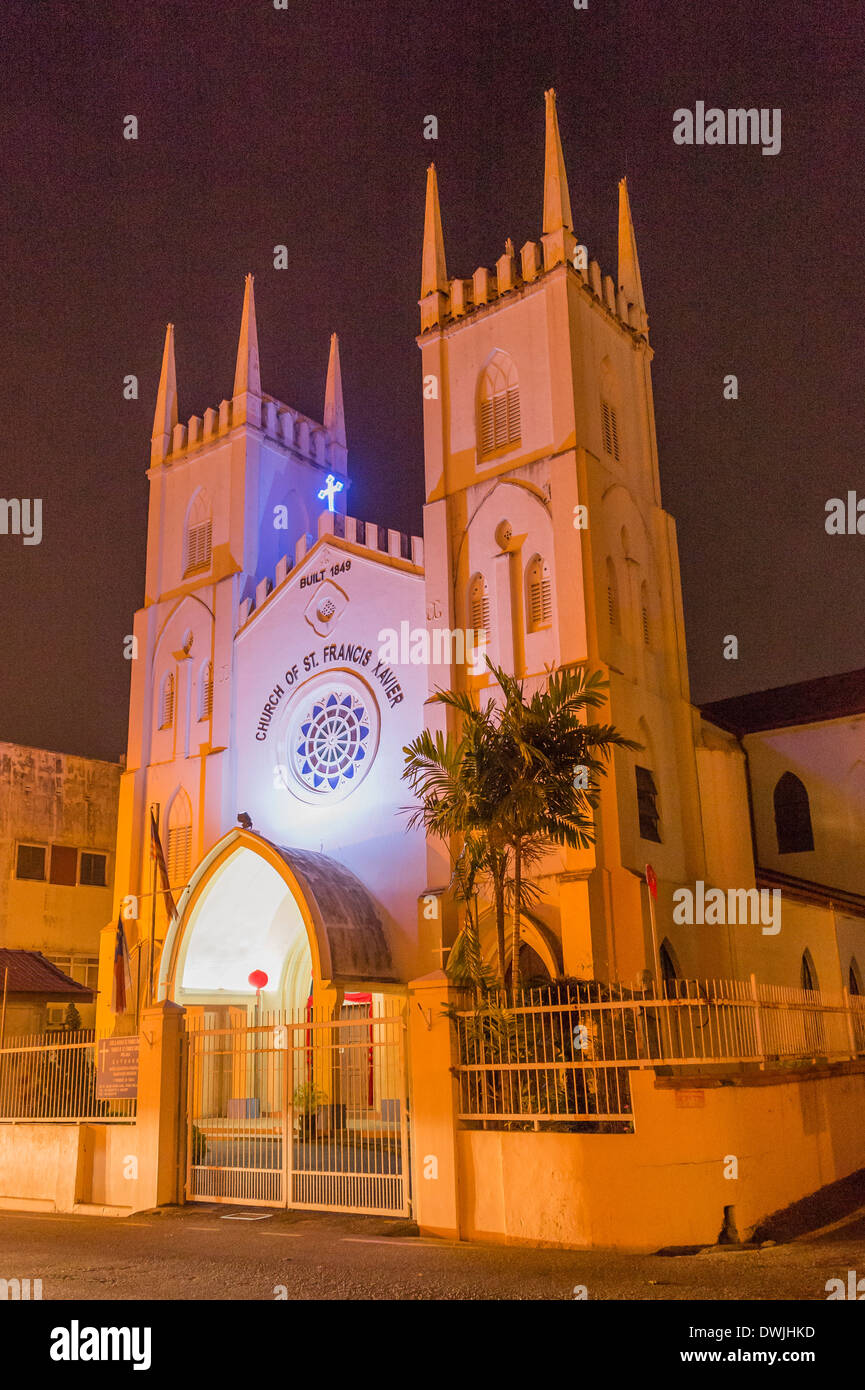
68, 1167
665, 1185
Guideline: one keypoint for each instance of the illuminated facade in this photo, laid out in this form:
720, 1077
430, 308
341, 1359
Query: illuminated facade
260, 694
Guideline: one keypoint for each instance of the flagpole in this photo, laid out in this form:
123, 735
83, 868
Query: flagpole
154, 813
3, 1015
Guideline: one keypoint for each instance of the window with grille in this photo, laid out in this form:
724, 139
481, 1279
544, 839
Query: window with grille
92, 870
205, 691
647, 805
198, 543
30, 862
498, 406
792, 816
610, 429
166, 703
479, 605
540, 595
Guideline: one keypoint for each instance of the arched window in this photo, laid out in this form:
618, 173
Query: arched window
498, 405
647, 805
644, 610
808, 974
539, 598
179, 847
205, 691
479, 605
612, 596
166, 701
792, 816
199, 535
669, 976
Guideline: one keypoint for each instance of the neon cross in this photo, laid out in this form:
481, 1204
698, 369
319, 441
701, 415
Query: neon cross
330, 489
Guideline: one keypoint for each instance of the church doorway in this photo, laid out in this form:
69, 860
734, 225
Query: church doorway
296, 1082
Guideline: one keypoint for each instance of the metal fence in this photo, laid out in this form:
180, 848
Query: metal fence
53, 1076
564, 1054
300, 1109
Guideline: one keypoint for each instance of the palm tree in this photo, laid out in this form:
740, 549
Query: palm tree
453, 777
527, 758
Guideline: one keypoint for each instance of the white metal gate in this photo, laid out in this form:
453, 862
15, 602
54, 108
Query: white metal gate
300, 1109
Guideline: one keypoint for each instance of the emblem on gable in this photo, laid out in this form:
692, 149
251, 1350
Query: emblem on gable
325, 607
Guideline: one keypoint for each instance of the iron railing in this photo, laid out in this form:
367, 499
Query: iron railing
564, 1054
53, 1076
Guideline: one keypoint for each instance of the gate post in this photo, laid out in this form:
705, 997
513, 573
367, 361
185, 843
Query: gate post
433, 1091
161, 1106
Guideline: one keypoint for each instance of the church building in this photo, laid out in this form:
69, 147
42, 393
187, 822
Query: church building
269, 716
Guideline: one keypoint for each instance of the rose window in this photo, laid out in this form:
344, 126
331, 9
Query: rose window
332, 742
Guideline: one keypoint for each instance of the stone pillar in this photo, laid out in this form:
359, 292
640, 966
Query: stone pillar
433, 1096
161, 1107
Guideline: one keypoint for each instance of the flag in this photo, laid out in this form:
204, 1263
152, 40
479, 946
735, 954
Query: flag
156, 851
652, 881
121, 980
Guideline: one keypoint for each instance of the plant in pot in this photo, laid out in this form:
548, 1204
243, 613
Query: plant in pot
306, 1100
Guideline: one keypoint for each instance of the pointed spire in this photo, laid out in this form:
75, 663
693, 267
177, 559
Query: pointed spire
246, 374
557, 202
629, 267
334, 415
165, 417
434, 275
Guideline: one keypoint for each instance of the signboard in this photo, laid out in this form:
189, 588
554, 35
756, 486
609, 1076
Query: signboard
117, 1069
690, 1100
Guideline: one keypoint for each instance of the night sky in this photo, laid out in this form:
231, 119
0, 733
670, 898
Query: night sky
305, 127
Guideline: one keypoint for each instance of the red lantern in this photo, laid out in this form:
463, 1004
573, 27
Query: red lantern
258, 979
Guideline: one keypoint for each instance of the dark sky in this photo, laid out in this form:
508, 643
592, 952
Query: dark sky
305, 127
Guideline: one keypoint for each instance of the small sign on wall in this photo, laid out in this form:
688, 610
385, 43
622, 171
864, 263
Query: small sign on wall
690, 1100
117, 1069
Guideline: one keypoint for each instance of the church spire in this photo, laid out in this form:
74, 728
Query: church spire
557, 201
246, 404
334, 414
434, 275
165, 417
629, 267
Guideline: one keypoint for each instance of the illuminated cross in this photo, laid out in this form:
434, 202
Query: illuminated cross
329, 491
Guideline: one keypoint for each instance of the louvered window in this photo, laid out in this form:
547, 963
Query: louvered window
647, 805
166, 703
198, 545
499, 406
479, 605
610, 428
540, 596
179, 847
205, 694
646, 626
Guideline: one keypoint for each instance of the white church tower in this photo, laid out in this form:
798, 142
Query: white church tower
263, 729
544, 525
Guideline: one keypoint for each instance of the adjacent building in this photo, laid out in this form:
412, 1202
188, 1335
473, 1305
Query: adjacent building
58, 827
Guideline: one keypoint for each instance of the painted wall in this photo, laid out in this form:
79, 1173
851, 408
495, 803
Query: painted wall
664, 1185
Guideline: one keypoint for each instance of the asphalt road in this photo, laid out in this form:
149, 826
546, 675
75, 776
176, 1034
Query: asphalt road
205, 1252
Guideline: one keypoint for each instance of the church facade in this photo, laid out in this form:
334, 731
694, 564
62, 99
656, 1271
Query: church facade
269, 711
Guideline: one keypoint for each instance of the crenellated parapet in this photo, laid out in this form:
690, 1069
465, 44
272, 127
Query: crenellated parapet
446, 300
380, 540
323, 445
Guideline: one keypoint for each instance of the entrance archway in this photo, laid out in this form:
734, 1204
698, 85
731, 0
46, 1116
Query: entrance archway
304, 920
